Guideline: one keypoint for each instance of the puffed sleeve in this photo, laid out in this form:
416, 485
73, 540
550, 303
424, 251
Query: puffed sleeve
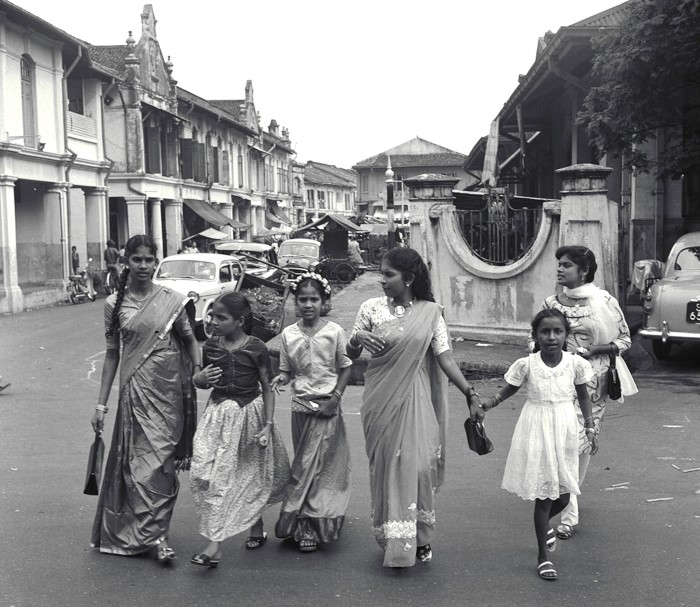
285, 362
363, 322
518, 372
441, 338
623, 340
112, 340
341, 358
583, 372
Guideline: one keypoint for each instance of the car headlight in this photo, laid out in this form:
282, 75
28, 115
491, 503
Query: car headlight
194, 296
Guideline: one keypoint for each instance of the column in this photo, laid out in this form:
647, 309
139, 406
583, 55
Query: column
97, 223
589, 219
157, 225
136, 215
226, 208
173, 226
56, 233
10, 292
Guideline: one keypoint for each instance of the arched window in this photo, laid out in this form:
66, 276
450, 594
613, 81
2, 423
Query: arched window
28, 101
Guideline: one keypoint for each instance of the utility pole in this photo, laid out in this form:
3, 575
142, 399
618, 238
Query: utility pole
391, 232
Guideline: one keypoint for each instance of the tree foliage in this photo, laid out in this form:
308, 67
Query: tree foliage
648, 78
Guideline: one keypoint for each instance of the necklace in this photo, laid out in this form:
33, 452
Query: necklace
400, 309
136, 299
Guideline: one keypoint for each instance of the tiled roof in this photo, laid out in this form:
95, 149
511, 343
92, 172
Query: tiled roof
316, 172
610, 18
209, 106
414, 160
231, 106
110, 57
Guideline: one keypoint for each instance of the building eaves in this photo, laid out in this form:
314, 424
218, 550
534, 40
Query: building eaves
283, 144
111, 58
413, 160
316, 175
611, 17
231, 106
207, 106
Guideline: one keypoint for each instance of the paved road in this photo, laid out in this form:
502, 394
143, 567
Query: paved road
627, 552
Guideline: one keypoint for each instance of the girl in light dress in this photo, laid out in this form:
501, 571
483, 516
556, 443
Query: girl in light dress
542, 463
240, 464
312, 355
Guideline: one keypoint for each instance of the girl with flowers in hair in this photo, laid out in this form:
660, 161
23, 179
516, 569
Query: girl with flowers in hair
312, 356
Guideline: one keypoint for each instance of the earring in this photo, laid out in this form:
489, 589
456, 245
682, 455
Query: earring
408, 284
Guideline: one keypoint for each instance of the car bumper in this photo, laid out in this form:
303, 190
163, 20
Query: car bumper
665, 335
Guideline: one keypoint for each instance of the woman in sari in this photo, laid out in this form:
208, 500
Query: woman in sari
404, 409
156, 413
598, 330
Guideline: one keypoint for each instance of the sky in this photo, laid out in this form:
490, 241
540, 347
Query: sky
348, 79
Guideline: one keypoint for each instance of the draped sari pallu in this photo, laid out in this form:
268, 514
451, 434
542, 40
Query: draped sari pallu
154, 425
404, 418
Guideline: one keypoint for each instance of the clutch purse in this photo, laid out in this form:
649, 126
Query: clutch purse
476, 437
94, 470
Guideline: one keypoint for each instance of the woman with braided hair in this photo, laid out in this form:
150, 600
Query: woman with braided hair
156, 413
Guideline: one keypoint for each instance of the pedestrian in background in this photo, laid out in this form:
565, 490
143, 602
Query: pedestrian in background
75, 260
156, 412
312, 352
598, 330
542, 463
404, 405
240, 464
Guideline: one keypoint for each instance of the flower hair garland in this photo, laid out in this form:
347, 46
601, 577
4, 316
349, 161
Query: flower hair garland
294, 283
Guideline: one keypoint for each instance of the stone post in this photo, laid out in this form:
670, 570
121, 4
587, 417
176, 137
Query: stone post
97, 220
173, 226
226, 208
56, 233
136, 215
10, 292
589, 219
157, 225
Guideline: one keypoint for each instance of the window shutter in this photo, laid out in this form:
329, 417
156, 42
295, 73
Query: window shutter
186, 158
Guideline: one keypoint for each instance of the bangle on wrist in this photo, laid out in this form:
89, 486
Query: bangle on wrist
338, 393
102, 408
269, 423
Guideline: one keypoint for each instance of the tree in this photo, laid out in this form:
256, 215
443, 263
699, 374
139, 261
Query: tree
648, 78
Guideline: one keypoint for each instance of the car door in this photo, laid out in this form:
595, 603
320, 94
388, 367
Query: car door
227, 284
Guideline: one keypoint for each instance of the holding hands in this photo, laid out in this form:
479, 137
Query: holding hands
204, 378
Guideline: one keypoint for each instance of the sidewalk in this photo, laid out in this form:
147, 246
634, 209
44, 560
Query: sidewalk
477, 360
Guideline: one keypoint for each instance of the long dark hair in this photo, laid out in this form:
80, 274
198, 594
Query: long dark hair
583, 257
548, 313
139, 240
410, 264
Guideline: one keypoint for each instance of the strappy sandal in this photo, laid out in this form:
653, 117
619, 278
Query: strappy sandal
253, 543
424, 553
547, 571
564, 531
165, 553
551, 542
205, 560
307, 546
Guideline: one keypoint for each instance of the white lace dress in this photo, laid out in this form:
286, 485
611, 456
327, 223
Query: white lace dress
543, 458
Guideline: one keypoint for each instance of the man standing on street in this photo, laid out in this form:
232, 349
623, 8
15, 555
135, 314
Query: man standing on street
111, 257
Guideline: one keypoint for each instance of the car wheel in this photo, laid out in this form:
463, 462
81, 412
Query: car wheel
204, 331
661, 349
344, 273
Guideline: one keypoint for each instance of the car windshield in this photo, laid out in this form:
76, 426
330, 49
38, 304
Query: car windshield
187, 268
299, 250
688, 259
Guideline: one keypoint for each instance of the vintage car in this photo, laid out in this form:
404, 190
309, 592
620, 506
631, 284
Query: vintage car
302, 253
672, 303
202, 276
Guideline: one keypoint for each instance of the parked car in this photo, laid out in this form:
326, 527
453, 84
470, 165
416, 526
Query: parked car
303, 253
672, 303
251, 250
202, 276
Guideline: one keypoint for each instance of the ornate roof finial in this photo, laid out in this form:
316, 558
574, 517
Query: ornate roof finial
169, 66
130, 42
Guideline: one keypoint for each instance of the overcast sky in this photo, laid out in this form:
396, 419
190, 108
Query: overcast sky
348, 79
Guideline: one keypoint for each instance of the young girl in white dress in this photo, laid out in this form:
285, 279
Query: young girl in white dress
312, 355
542, 463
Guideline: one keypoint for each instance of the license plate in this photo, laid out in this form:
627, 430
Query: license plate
692, 313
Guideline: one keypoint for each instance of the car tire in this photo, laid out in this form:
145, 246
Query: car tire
661, 349
344, 273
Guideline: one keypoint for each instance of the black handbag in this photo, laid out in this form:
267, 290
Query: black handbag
614, 386
94, 470
476, 437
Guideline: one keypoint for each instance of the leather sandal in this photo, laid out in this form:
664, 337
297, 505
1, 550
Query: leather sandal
253, 543
205, 560
547, 571
551, 542
424, 553
564, 531
165, 553
307, 546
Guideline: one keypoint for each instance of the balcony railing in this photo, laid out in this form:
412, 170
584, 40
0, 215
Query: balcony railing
81, 126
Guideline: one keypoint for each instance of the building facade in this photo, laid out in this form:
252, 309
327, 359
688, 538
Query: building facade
328, 190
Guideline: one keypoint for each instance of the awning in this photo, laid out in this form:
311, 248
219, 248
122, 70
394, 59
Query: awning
209, 233
212, 215
275, 214
341, 221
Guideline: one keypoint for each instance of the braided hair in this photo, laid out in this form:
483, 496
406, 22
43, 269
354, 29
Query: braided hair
139, 240
410, 264
238, 305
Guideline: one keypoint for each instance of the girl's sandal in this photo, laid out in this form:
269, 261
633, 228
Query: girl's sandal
308, 546
165, 553
424, 553
253, 543
564, 531
547, 571
551, 542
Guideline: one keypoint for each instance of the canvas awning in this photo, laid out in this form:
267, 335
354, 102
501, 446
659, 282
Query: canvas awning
275, 214
209, 233
342, 222
212, 215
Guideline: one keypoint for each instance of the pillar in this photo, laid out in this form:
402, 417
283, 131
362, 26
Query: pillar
97, 223
136, 215
56, 233
157, 225
10, 292
226, 208
173, 226
589, 219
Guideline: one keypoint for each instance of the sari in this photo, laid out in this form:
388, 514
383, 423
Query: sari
404, 417
153, 426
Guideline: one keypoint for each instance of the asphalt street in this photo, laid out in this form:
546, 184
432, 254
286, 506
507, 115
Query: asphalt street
627, 550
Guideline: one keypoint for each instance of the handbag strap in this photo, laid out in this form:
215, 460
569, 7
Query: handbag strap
613, 354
